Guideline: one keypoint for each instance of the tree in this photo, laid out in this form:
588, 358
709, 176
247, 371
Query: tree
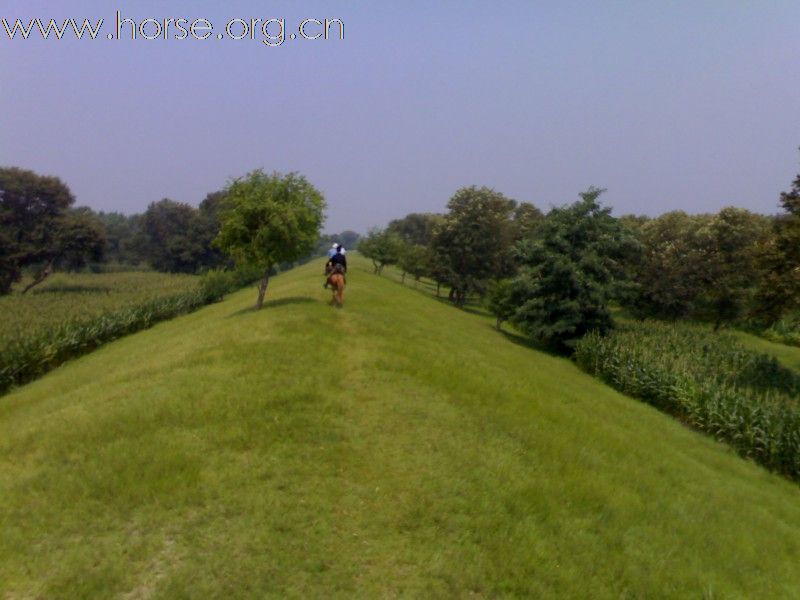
348, 239
381, 247
526, 218
206, 228
30, 207
668, 271
79, 237
122, 233
569, 272
416, 228
270, 219
413, 260
779, 293
473, 243
171, 237
731, 244
501, 301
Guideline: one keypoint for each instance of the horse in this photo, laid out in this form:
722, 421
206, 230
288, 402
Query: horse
336, 281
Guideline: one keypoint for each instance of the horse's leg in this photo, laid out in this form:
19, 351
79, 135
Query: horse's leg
340, 293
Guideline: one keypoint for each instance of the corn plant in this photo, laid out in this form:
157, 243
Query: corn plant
709, 381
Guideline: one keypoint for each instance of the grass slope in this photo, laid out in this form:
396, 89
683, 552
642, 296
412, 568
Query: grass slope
786, 355
397, 447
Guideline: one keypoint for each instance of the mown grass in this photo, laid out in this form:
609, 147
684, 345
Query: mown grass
788, 356
396, 447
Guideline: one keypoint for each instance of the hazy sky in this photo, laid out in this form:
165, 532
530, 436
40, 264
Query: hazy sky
688, 105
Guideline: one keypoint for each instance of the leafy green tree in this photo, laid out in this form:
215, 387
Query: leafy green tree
416, 228
268, 220
668, 271
206, 228
526, 218
731, 242
570, 271
30, 207
501, 301
382, 248
779, 293
79, 238
348, 239
170, 237
122, 234
414, 261
472, 245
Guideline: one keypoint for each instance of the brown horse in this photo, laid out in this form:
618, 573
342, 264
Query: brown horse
336, 281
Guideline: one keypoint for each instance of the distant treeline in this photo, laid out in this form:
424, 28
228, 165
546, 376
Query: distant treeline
555, 276
41, 232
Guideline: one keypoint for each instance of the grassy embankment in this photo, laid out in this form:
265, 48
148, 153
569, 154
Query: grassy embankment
395, 447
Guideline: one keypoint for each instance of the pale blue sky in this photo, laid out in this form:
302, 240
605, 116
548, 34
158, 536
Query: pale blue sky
688, 105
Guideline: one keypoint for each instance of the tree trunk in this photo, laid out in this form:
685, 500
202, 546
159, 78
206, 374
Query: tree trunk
403, 278
498, 324
40, 277
375, 267
262, 290
438, 287
452, 295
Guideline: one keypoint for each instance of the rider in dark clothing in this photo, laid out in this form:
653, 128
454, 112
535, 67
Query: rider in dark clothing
339, 259
336, 264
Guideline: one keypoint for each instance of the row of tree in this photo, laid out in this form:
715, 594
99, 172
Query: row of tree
41, 231
556, 275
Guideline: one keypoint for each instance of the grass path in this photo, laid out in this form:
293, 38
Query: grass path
787, 355
397, 447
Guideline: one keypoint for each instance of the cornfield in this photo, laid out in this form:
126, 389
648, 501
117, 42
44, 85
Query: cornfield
707, 380
74, 314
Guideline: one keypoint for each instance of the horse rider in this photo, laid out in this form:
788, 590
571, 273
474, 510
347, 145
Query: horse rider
336, 263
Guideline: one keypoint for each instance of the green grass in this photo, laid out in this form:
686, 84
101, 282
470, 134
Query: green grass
397, 447
789, 356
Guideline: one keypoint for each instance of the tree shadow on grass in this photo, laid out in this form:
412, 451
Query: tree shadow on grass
531, 344
274, 304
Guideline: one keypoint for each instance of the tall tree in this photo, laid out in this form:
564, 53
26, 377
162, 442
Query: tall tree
779, 293
414, 261
526, 218
416, 228
570, 269
268, 220
171, 237
668, 272
348, 239
79, 238
122, 233
30, 207
732, 242
474, 240
382, 247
